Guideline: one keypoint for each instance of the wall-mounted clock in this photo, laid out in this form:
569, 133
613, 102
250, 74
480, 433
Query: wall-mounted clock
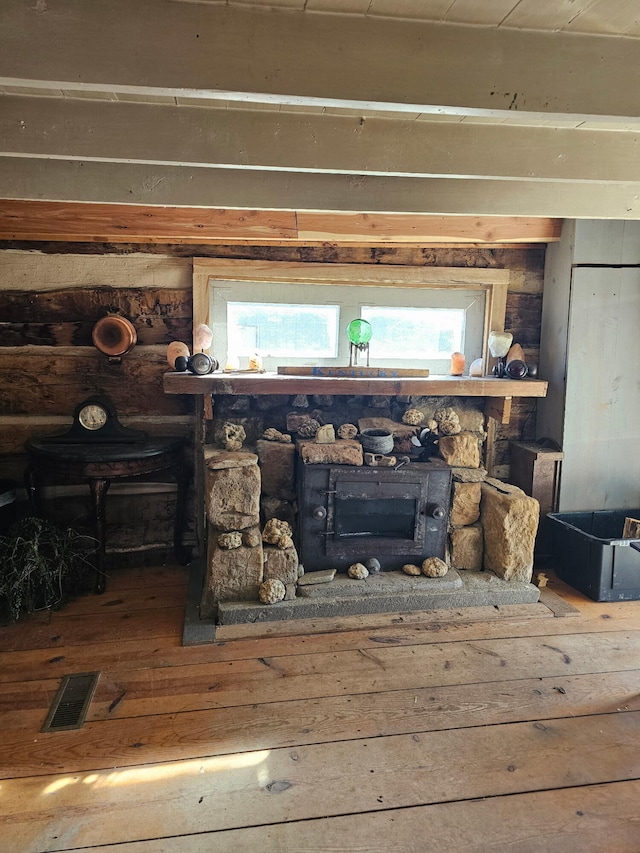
95, 421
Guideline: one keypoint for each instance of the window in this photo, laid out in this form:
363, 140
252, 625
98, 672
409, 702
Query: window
418, 334
305, 324
278, 330
298, 313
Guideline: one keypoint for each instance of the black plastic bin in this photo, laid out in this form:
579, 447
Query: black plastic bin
591, 556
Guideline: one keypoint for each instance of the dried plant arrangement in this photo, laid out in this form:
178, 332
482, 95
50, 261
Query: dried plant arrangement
41, 566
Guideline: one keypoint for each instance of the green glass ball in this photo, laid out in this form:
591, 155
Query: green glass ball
359, 332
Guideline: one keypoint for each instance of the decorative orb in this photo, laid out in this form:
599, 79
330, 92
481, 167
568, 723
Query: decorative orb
202, 337
359, 332
175, 349
477, 367
516, 369
180, 364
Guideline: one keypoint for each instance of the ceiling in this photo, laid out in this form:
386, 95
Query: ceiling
528, 108
598, 17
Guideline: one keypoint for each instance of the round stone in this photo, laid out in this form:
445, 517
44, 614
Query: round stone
229, 541
411, 569
434, 567
347, 431
373, 565
413, 417
358, 572
274, 529
251, 538
271, 591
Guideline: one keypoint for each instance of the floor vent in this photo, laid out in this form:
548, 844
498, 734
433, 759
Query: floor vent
71, 702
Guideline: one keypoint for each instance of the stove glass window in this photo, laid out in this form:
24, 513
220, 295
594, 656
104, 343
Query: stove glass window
389, 518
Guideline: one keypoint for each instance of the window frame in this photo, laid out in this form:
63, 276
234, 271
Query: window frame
494, 282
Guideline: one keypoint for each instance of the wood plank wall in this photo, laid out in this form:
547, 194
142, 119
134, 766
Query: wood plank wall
51, 294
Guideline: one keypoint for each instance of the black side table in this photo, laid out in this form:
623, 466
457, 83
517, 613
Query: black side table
98, 465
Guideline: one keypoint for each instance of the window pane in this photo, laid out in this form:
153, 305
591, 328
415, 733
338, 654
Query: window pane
414, 333
282, 330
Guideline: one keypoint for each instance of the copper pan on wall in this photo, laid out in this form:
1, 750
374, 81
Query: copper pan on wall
114, 336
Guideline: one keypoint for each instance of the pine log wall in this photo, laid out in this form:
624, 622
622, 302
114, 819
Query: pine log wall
51, 294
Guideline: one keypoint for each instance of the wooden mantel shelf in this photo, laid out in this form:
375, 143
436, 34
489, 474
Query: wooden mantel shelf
432, 386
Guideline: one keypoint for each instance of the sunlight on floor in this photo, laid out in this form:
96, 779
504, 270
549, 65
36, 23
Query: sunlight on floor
158, 772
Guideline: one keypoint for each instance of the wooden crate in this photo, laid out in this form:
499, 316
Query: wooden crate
536, 470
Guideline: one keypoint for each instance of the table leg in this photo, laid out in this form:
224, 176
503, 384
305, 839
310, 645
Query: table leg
99, 489
32, 484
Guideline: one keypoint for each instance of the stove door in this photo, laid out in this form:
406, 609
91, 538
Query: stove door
348, 514
379, 510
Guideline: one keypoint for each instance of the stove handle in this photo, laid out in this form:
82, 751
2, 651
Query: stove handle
319, 513
436, 511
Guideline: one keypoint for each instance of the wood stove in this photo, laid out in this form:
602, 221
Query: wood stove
349, 514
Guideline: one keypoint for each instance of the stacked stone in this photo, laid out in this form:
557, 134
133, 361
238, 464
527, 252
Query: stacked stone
493, 524
466, 540
510, 522
466, 536
280, 557
276, 456
235, 553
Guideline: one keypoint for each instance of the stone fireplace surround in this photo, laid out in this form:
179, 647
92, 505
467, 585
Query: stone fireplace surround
492, 525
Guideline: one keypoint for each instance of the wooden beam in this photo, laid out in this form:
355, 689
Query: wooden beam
499, 408
36, 220
383, 228
78, 129
287, 57
124, 183
269, 383
21, 220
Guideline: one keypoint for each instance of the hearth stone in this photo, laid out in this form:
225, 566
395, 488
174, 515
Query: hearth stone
310, 578
510, 521
277, 508
280, 564
382, 583
277, 468
461, 450
233, 495
468, 475
467, 545
231, 575
343, 452
219, 460
477, 589
465, 504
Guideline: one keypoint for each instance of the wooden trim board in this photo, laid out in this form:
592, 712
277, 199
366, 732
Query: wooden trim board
127, 223
494, 282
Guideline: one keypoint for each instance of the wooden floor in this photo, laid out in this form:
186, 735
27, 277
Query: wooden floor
479, 729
